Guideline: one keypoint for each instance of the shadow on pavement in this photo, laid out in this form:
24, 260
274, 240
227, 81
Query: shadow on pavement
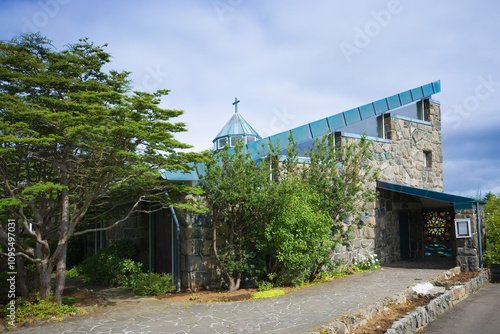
423, 264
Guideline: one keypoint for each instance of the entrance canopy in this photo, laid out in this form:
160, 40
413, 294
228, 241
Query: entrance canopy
458, 202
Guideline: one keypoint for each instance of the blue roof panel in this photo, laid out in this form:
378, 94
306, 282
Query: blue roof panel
302, 133
200, 168
437, 86
336, 122
352, 116
428, 90
319, 128
381, 106
405, 97
254, 149
417, 94
281, 138
367, 111
393, 101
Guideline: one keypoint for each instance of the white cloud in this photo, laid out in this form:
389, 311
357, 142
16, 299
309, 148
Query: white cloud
286, 57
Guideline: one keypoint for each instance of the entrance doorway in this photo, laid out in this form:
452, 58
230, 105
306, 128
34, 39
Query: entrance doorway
404, 236
162, 242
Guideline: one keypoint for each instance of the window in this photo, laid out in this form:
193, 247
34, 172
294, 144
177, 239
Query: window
420, 110
250, 139
428, 160
422, 113
222, 143
235, 139
380, 127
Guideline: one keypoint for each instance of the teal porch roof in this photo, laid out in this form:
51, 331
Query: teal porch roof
458, 202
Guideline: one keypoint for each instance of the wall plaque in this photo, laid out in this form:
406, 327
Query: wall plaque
462, 228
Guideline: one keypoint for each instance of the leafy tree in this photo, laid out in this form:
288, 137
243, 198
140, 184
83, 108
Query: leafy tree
282, 216
230, 182
292, 230
492, 215
342, 174
76, 143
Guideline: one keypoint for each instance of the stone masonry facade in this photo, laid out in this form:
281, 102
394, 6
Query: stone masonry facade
468, 248
199, 267
401, 158
410, 153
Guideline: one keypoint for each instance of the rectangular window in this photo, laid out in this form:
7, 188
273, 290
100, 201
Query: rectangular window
235, 139
420, 110
428, 160
381, 127
222, 143
250, 139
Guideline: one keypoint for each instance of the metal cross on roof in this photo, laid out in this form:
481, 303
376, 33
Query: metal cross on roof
236, 101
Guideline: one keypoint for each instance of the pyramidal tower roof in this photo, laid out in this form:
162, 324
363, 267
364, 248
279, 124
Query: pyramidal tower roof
237, 126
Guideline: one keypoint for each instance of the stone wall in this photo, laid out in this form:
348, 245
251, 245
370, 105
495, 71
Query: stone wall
199, 268
468, 248
416, 319
387, 232
401, 159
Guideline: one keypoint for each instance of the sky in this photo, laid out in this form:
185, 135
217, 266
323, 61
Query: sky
294, 62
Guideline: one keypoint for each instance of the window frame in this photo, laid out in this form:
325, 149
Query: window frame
427, 160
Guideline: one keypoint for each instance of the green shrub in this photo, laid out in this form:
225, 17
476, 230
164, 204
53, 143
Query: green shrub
294, 237
265, 286
492, 214
122, 248
154, 284
109, 266
110, 270
34, 308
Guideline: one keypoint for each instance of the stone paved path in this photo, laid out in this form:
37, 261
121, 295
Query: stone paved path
297, 312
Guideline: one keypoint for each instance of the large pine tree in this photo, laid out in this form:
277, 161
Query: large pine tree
76, 142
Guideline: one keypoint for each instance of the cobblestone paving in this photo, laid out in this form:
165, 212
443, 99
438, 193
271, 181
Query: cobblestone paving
296, 312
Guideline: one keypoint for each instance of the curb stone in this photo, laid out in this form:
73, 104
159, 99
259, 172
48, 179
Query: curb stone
418, 318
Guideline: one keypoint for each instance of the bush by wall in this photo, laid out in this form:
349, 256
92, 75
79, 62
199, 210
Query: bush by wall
110, 266
492, 214
154, 284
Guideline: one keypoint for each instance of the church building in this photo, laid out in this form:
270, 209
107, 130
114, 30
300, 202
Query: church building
413, 219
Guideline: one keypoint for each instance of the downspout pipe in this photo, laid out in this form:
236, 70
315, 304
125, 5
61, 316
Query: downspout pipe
178, 249
479, 235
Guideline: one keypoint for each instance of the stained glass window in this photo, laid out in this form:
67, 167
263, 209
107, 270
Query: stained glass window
437, 233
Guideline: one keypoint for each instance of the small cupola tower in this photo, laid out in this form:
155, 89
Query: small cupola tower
236, 128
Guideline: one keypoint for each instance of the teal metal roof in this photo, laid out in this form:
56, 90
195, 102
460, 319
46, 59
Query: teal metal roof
237, 126
335, 122
193, 175
307, 133
459, 202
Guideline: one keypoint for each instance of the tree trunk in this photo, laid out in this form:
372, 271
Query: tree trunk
61, 274
45, 277
22, 278
234, 284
